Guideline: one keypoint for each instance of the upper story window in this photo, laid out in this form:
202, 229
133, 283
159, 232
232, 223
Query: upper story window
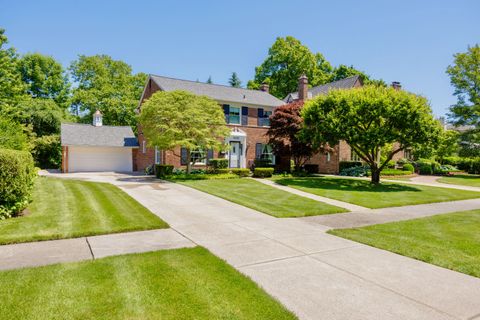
264, 117
232, 114
144, 146
354, 156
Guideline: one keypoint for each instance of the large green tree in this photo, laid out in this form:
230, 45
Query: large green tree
180, 118
107, 85
12, 88
45, 77
465, 77
287, 60
370, 119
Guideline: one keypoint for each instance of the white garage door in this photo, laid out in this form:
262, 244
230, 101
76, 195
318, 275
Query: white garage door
81, 159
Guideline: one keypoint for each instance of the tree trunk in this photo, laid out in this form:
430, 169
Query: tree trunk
189, 163
375, 175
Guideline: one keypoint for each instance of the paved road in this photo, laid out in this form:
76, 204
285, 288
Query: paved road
314, 274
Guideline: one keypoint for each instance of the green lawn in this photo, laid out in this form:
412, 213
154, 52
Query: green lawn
363, 193
449, 240
267, 199
462, 179
64, 208
172, 284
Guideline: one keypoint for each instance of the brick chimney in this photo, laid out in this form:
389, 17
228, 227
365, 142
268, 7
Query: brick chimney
264, 87
303, 87
396, 85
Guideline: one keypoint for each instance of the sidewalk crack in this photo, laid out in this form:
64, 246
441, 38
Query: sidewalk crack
90, 248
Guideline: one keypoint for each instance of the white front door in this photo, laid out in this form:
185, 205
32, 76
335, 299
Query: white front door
234, 154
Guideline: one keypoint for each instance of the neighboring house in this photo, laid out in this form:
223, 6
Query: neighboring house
329, 162
247, 114
94, 147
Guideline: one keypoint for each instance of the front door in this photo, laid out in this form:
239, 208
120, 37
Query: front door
235, 152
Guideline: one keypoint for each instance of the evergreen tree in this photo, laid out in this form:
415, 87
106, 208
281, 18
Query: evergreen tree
235, 80
209, 80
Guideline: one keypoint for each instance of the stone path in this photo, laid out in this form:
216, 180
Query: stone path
314, 274
41, 253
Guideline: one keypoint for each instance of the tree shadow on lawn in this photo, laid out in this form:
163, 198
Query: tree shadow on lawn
465, 176
345, 185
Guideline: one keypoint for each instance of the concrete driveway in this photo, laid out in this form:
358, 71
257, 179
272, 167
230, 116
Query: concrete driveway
314, 274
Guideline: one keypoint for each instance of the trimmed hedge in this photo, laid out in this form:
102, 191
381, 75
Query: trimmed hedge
408, 167
263, 172
163, 170
17, 175
348, 164
395, 172
241, 172
218, 163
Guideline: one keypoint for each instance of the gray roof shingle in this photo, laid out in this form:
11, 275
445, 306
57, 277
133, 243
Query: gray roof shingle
218, 92
76, 134
346, 83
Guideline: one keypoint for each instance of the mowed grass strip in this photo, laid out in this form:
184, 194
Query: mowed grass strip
462, 179
64, 208
263, 198
365, 194
449, 240
172, 284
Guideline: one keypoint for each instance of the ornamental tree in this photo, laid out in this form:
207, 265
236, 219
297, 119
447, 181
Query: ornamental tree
369, 119
180, 118
284, 134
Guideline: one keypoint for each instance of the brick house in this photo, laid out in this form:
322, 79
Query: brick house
329, 162
247, 114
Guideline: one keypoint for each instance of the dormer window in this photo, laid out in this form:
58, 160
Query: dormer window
97, 119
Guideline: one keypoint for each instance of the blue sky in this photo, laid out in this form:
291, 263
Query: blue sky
403, 40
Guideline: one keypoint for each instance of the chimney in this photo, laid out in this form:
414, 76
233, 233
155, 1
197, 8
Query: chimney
396, 85
264, 87
303, 87
97, 118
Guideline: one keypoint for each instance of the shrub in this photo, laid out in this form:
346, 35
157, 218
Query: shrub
445, 169
241, 172
425, 168
220, 163
348, 164
17, 175
163, 170
403, 161
263, 172
149, 170
47, 152
358, 171
12, 136
391, 164
408, 167
262, 163
453, 161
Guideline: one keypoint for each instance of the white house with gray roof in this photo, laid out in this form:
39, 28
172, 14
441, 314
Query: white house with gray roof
95, 147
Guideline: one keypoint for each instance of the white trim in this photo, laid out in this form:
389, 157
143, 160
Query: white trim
144, 146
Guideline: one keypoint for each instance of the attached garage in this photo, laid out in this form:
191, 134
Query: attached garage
90, 148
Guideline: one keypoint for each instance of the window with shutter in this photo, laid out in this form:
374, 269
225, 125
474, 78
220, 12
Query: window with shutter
258, 150
226, 111
259, 117
209, 155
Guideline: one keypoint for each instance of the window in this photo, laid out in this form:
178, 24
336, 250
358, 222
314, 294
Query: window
408, 154
264, 117
144, 146
328, 156
234, 115
198, 156
265, 152
157, 156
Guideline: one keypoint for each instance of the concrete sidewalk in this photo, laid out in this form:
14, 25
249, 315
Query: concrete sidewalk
384, 215
314, 274
33, 254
